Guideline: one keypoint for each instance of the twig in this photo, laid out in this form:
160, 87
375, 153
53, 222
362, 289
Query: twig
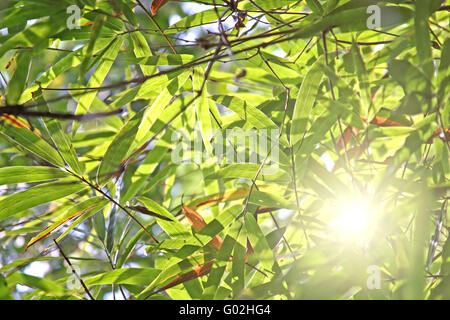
157, 26
21, 111
74, 272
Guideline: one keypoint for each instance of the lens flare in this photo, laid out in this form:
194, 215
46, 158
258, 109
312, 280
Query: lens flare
352, 219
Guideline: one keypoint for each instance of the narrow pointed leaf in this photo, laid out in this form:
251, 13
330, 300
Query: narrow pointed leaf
21, 174
40, 194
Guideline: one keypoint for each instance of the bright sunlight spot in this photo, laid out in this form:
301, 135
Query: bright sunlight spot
353, 218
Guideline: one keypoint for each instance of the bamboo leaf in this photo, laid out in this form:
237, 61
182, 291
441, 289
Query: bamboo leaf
305, 101
21, 174
40, 194
36, 34
262, 251
198, 223
59, 137
118, 149
136, 276
32, 143
248, 171
173, 228
81, 210
43, 284
99, 76
19, 79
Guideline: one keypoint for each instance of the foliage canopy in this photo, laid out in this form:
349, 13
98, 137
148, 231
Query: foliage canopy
356, 207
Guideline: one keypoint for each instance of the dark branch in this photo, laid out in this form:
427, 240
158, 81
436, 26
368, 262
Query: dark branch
23, 112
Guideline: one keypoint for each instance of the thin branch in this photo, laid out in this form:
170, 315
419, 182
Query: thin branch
157, 26
74, 272
24, 112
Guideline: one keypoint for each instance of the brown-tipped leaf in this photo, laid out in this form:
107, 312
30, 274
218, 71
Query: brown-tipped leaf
44, 233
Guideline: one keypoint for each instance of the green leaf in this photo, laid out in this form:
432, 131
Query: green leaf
162, 59
222, 221
153, 158
155, 111
328, 178
173, 228
19, 79
36, 34
246, 111
248, 171
36, 282
200, 18
262, 253
356, 20
363, 81
270, 200
315, 6
443, 78
98, 76
70, 60
422, 33
59, 137
137, 276
24, 262
96, 29
33, 143
118, 149
21, 174
40, 194
16, 15
305, 101
4, 291
140, 91
238, 265
202, 106
268, 4
222, 261
130, 246
320, 126
142, 50
80, 212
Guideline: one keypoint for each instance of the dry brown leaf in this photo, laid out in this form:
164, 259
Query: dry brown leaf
156, 4
191, 275
198, 223
438, 133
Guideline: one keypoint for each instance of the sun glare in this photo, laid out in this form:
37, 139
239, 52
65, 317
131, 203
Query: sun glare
352, 219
